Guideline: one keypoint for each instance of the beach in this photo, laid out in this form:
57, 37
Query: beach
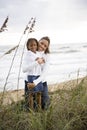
67, 62
17, 95
68, 65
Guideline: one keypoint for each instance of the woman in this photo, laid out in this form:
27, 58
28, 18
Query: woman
43, 47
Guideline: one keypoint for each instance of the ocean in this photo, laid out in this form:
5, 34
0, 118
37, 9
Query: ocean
67, 62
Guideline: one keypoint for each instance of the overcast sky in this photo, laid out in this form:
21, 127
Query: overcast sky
64, 21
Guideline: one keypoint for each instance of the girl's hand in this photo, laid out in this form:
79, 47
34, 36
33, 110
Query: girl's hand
40, 60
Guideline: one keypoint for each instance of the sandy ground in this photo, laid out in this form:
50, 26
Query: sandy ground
13, 96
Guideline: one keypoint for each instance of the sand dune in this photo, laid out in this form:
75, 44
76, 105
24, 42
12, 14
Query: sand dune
16, 95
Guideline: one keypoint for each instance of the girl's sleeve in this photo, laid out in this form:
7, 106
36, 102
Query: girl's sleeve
27, 63
44, 72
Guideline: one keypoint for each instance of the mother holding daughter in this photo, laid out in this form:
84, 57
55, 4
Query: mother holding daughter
35, 66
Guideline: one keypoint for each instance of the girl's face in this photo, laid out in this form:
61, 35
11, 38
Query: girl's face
43, 45
32, 46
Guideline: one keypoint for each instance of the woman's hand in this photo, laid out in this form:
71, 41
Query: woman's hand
40, 60
30, 85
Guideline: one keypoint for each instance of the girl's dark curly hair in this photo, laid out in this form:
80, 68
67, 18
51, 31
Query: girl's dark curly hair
30, 40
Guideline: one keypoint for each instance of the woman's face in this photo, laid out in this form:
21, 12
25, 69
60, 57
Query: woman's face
43, 45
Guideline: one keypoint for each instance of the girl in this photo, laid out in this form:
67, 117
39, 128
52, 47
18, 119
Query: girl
32, 66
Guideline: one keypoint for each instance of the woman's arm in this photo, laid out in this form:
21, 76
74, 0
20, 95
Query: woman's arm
44, 72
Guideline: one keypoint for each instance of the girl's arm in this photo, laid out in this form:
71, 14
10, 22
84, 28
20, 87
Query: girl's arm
28, 64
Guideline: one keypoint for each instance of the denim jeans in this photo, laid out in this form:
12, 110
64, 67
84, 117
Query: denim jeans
45, 96
38, 87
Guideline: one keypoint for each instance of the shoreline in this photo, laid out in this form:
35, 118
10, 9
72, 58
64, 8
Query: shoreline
17, 95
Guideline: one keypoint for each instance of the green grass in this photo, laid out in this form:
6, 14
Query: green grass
67, 111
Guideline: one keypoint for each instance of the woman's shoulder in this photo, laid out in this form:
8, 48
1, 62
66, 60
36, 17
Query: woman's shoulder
46, 57
46, 54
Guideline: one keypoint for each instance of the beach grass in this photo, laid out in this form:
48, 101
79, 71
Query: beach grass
67, 110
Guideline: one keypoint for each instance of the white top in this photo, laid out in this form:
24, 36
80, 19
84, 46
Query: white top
44, 70
32, 67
